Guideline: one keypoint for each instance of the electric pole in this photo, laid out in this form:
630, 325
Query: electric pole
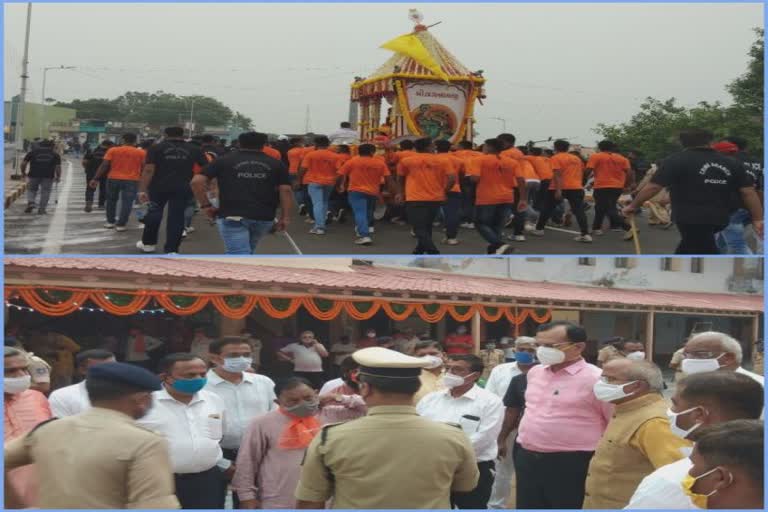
19, 132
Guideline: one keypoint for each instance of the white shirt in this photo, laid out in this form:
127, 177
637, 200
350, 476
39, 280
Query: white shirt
252, 397
150, 344
500, 377
343, 350
758, 378
344, 136
69, 400
305, 359
193, 430
483, 433
331, 385
662, 489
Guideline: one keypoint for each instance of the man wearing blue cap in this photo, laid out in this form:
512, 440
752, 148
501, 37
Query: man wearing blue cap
100, 459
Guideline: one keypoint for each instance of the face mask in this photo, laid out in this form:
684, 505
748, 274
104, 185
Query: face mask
450, 380
692, 366
490, 346
699, 500
189, 386
609, 392
16, 385
434, 362
549, 355
237, 364
524, 358
461, 330
636, 356
672, 416
304, 409
371, 334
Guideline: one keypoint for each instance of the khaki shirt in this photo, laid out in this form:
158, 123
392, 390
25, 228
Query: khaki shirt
491, 359
99, 459
391, 459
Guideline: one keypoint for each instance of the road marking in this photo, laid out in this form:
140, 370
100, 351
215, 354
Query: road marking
58, 226
563, 230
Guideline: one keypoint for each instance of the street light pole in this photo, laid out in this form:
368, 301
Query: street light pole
191, 114
503, 123
22, 97
44, 108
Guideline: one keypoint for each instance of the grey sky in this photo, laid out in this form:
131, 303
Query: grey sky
552, 69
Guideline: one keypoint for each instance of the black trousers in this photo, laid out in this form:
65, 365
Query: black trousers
576, 200
477, 499
316, 378
200, 490
177, 200
605, 204
230, 455
541, 196
421, 215
89, 192
550, 480
519, 221
698, 238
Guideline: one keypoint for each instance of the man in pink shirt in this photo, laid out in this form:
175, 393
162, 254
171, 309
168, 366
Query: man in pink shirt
269, 460
24, 409
343, 403
562, 424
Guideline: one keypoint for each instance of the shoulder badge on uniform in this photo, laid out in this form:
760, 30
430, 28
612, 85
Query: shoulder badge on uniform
453, 425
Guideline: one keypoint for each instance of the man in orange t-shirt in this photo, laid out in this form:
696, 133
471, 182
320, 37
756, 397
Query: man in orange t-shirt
124, 164
318, 171
567, 183
496, 177
452, 208
508, 148
424, 182
397, 211
337, 204
361, 178
612, 177
543, 169
466, 153
295, 155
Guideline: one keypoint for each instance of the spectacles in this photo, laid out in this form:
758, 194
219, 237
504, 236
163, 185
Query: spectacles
702, 355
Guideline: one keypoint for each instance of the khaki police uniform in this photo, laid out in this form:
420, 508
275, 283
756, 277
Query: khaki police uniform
392, 458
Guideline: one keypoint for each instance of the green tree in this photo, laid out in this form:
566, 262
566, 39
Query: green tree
242, 122
95, 108
654, 129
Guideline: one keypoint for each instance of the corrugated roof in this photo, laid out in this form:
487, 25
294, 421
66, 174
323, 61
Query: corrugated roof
391, 281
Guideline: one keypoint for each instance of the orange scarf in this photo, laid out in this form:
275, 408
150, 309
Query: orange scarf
299, 432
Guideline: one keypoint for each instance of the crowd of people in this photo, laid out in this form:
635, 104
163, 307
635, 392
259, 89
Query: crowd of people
406, 423
710, 191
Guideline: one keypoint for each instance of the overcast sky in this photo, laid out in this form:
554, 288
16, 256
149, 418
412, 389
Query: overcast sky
552, 69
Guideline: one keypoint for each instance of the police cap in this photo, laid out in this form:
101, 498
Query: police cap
127, 374
382, 362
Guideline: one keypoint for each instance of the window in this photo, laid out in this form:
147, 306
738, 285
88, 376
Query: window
697, 265
535, 260
587, 262
670, 264
624, 263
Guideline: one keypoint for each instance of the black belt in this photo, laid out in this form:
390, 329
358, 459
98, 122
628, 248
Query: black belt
185, 476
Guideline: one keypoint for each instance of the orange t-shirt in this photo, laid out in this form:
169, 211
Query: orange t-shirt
572, 168
611, 169
196, 169
426, 176
294, 158
365, 174
125, 162
527, 170
513, 153
498, 178
542, 166
269, 151
343, 158
321, 167
465, 154
396, 157
458, 168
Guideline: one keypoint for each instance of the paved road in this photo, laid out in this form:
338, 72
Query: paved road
68, 229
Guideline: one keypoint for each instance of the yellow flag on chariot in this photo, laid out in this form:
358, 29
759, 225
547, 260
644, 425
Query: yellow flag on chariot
411, 46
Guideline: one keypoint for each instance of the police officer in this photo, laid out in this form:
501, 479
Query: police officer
44, 167
100, 459
91, 163
392, 458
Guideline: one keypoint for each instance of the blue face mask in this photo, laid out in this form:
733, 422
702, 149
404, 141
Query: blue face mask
189, 386
524, 357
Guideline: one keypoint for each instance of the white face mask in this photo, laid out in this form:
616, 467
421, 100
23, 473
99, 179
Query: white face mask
16, 385
461, 330
371, 334
434, 362
636, 356
450, 380
549, 355
672, 416
606, 392
693, 366
237, 364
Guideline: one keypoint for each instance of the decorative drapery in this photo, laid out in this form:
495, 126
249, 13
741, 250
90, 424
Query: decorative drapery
58, 301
